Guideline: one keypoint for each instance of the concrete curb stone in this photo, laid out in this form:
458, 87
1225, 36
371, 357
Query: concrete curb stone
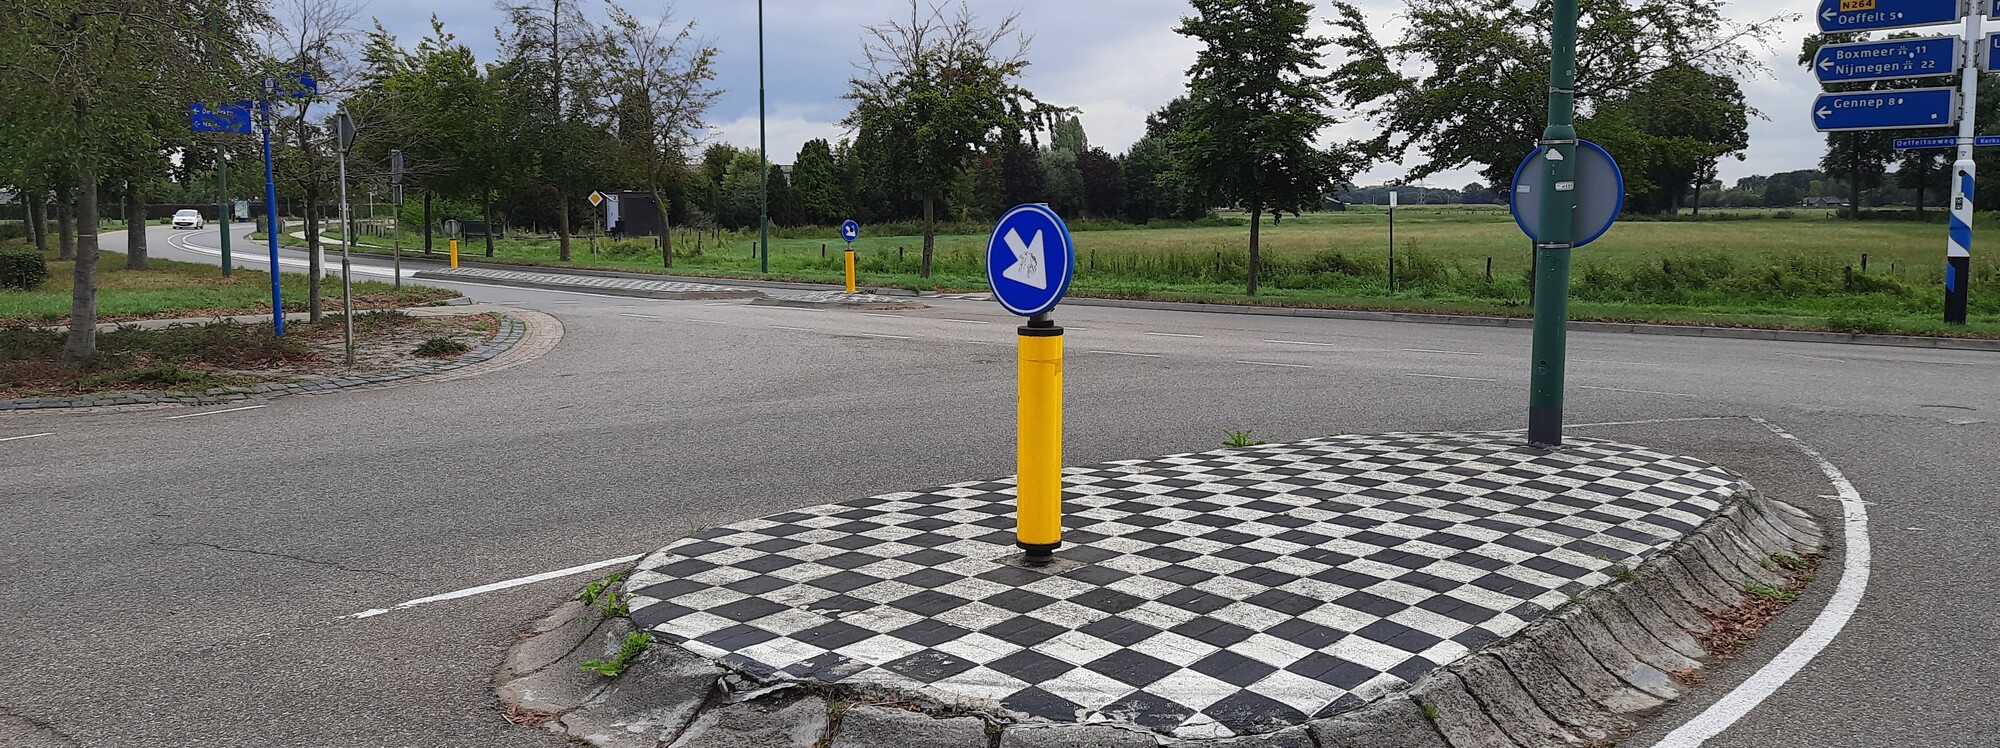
1556, 695
1075, 736
865, 726
1457, 715
1392, 721
555, 635
1633, 636
1569, 657
1674, 628
1734, 539
1606, 649
1290, 737
563, 685
1680, 598
1718, 595
1509, 704
800, 724
657, 696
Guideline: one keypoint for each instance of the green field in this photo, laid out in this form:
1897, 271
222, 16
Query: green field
184, 289
1740, 268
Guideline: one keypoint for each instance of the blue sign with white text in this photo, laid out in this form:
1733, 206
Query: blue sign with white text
850, 231
1029, 260
1886, 110
226, 118
1874, 61
1918, 144
1863, 15
1989, 56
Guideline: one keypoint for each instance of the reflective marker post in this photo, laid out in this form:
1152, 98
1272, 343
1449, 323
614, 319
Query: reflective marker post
850, 231
1958, 250
454, 253
1028, 264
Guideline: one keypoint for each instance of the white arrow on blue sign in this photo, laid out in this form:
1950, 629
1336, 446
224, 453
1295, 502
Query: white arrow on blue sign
1886, 110
1029, 259
1875, 61
1863, 15
850, 231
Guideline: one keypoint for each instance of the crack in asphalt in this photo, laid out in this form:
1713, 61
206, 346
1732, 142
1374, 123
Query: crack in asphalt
39, 726
253, 552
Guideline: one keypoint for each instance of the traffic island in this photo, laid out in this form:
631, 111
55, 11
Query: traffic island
1452, 590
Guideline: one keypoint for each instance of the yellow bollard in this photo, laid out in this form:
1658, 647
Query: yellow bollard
850, 270
1038, 449
454, 253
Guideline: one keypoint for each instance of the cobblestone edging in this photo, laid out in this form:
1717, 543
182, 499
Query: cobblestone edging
511, 332
1581, 675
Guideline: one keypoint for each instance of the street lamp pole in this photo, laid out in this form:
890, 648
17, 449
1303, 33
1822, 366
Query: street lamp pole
763, 153
1556, 240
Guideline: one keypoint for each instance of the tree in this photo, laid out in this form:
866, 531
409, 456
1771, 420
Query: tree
661, 76
938, 87
816, 182
1479, 98
1257, 106
1067, 135
1669, 132
1063, 181
1103, 185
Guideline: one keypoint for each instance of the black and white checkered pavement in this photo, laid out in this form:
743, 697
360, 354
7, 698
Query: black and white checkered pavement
1224, 593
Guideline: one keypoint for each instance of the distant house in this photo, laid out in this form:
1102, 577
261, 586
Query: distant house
1825, 202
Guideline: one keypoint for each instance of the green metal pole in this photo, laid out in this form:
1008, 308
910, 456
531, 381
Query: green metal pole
763, 152
1552, 252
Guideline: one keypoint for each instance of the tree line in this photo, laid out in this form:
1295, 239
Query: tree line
583, 96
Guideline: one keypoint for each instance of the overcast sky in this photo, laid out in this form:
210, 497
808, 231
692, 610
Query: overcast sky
1116, 60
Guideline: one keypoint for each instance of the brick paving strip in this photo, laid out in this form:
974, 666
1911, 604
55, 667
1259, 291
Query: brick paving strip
522, 336
1420, 590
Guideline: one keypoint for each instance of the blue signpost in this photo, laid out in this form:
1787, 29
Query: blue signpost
850, 231
1865, 15
1899, 58
1905, 109
1029, 259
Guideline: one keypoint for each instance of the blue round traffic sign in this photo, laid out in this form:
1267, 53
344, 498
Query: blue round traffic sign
1029, 260
850, 231
1599, 188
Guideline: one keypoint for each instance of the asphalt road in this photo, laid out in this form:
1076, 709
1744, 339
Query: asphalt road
185, 582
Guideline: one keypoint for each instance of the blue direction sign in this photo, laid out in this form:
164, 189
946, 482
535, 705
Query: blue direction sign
1875, 61
1989, 53
1864, 15
1029, 259
1918, 144
226, 118
1886, 110
850, 231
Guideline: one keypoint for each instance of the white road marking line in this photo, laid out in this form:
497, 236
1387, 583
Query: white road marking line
496, 586
879, 314
1123, 353
1812, 358
1648, 422
1273, 363
879, 335
793, 329
1461, 379
720, 303
1839, 610
640, 316
214, 412
974, 321
705, 321
565, 302
1620, 363
29, 436
1303, 342
1636, 392
1447, 353
1959, 422
1162, 334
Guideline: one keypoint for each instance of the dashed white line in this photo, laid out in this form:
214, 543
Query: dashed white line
639, 316
1461, 379
793, 329
1274, 363
27, 436
972, 321
720, 303
496, 586
215, 412
879, 335
879, 314
1648, 422
1127, 353
1811, 358
1445, 353
1303, 342
1620, 363
1832, 619
1162, 334
1637, 392
705, 321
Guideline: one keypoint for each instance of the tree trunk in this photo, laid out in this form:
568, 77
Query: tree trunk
38, 221
562, 224
312, 252
1920, 201
486, 204
65, 226
135, 227
1256, 218
930, 234
1697, 199
666, 227
1854, 194
427, 221
82, 344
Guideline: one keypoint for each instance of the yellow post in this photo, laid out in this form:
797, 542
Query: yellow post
1038, 449
850, 270
454, 253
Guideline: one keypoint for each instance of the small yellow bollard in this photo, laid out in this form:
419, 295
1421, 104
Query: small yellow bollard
1038, 448
850, 270
454, 253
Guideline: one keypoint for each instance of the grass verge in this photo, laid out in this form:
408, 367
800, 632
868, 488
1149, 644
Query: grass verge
170, 289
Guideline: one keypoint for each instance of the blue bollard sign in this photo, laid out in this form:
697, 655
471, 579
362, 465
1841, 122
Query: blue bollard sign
1029, 260
850, 231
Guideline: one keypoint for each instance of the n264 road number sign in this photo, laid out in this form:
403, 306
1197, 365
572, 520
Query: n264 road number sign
1864, 15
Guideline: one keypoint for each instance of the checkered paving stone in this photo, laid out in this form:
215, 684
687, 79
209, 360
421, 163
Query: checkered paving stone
1224, 593
585, 281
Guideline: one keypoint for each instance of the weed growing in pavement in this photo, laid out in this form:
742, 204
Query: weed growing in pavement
635, 645
1624, 573
1241, 439
1790, 562
441, 348
1770, 593
1430, 712
604, 595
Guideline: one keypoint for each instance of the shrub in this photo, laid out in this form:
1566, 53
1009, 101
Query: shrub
22, 268
441, 347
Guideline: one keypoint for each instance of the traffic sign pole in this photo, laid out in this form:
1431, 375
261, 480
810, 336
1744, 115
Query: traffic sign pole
1038, 446
1553, 246
271, 227
1958, 249
850, 231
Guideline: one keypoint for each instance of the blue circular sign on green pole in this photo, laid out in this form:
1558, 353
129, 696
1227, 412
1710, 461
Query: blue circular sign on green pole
1599, 188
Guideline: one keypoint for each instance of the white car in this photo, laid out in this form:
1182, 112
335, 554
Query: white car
189, 219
